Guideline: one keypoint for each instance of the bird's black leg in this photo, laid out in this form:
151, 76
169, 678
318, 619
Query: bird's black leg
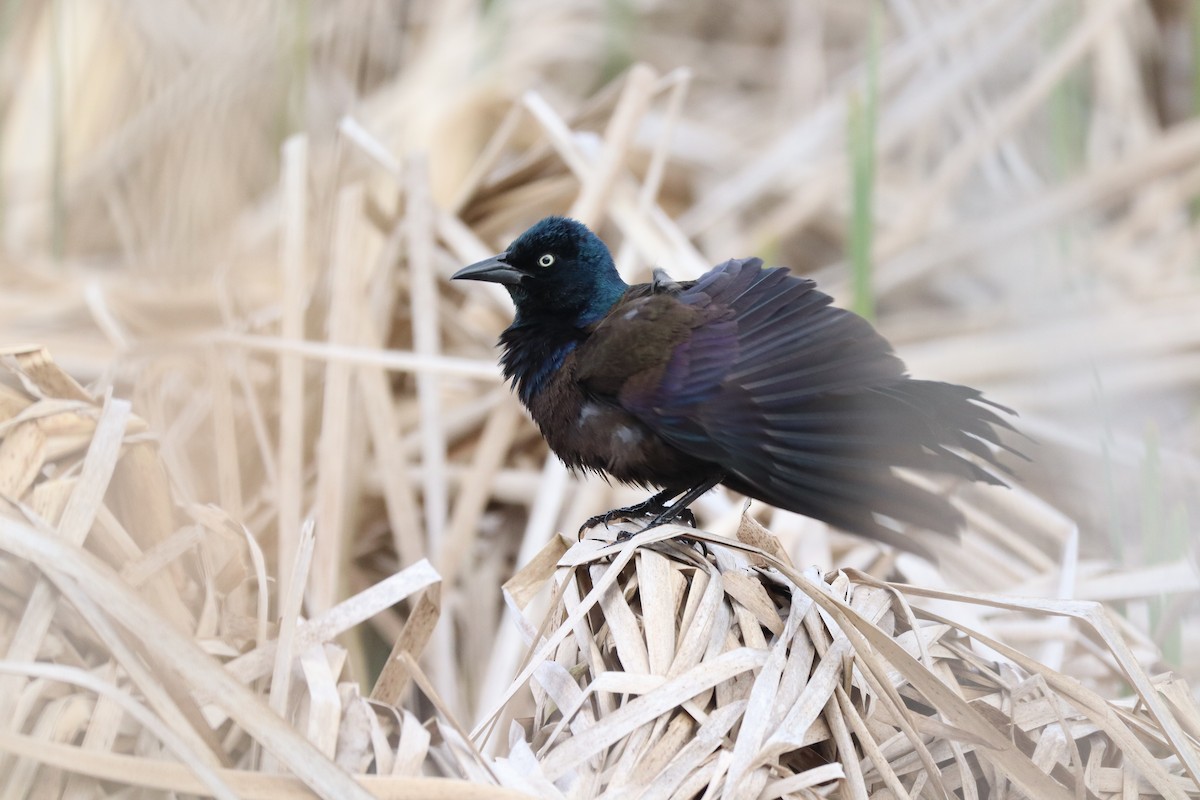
654, 505
680, 506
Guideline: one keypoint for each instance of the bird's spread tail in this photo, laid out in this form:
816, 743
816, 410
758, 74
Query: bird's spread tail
835, 457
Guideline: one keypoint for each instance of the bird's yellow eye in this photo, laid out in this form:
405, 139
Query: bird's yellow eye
546, 260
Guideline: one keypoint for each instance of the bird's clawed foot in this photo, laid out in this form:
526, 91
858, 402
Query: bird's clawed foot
657, 505
684, 517
655, 508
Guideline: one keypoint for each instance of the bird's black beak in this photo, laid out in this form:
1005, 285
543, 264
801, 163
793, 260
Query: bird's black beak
492, 270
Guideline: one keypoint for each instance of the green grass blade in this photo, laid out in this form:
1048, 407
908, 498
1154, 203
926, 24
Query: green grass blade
862, 179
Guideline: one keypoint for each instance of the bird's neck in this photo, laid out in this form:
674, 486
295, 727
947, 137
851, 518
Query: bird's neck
546, 330
534, 349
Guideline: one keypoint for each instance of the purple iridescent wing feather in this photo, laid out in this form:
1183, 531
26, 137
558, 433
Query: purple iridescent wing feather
802, 403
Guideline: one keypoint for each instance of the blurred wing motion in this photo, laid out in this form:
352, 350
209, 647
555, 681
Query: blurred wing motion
803, 404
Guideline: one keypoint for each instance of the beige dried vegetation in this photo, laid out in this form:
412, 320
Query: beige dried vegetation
272, 526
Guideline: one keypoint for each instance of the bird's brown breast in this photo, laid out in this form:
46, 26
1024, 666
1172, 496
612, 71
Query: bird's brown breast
592, 433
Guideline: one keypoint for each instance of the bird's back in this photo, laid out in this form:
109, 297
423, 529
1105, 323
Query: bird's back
804, 405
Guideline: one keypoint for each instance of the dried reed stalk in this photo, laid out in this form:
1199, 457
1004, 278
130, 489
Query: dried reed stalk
312, 410
670, 667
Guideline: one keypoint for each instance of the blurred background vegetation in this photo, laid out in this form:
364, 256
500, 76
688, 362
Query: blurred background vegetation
1008, 187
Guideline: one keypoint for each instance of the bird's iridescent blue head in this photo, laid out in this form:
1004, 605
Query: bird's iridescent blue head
556, 268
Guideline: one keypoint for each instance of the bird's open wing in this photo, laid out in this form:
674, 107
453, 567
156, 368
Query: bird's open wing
802, 403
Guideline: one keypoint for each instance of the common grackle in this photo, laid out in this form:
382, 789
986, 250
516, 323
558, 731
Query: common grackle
746, 377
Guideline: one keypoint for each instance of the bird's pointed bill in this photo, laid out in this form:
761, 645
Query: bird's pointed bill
492, 270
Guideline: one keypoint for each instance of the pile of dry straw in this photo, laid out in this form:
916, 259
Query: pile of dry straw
264, 491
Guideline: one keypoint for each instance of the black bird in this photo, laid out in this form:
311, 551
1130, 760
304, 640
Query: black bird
746, 377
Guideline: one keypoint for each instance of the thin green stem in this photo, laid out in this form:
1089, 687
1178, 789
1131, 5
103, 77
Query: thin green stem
862, 179
294, 60
58, 195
